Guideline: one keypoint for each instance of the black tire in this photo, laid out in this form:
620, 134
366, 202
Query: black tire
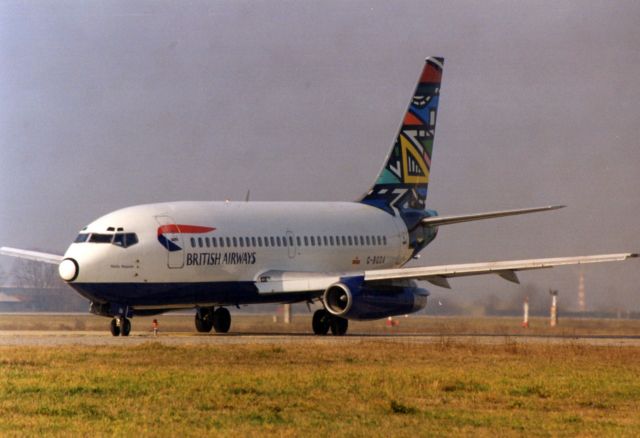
203, 323
115, 327
221, 320
339, 326
321, 322
126, 327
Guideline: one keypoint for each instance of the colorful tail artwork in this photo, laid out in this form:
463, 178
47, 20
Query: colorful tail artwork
402, 183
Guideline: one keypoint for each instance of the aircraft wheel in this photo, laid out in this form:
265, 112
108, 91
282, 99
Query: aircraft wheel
221, 320
115, 327
321, 322
203, 322
339, 326
125, 327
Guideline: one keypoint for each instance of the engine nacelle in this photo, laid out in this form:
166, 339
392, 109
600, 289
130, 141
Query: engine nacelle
354, 300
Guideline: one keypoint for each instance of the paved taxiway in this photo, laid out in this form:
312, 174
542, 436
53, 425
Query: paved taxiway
89, 338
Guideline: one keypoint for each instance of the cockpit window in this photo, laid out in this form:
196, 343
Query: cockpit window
125, 239
82, 237
100, 238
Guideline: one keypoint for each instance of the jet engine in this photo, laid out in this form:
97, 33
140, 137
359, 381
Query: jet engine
353, 299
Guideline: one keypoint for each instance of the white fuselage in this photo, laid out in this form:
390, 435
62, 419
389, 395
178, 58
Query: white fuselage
236, 241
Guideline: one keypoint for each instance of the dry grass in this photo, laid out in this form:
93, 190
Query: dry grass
368, 389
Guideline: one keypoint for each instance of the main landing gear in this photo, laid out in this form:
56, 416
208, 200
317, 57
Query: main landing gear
207, 318
120, 326
323, 321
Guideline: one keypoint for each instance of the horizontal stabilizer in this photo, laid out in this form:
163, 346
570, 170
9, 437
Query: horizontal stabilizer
446, 220
36, 256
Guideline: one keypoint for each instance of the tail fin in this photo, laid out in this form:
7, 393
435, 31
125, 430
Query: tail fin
402, 183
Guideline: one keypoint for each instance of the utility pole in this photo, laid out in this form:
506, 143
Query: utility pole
287, 313
525, 308
554, 308
582, 305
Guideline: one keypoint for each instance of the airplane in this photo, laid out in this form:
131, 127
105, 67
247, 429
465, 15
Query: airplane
149, 259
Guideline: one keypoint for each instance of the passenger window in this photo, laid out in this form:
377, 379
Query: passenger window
235, 242
272, 241
222, 242
266, 241
350, 239
278, 243
260, 242
290, 241
228, 242
284, 241
384, 240
214, 242
241, 242
306, 241
298, 240
344, 240
368, 241
313, 241
193, 242
361, 240
325, 240
207, 242
200, 242
82, 237
331, 240
253, 242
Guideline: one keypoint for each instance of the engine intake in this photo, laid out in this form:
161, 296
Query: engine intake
352, 299
338, 299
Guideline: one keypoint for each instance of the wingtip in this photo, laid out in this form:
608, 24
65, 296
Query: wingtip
633, 255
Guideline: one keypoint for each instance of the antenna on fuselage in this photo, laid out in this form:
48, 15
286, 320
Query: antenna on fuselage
246, 198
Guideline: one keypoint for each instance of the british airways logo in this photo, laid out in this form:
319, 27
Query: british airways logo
169, 242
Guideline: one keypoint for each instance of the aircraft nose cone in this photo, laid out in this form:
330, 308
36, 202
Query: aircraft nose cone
68, 269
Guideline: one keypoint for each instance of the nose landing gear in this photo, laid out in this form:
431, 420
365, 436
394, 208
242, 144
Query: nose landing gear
120, 326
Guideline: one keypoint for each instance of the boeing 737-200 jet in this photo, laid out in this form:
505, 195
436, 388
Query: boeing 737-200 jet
153, 258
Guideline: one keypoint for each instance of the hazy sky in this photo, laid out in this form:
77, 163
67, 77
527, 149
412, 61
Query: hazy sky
105, 104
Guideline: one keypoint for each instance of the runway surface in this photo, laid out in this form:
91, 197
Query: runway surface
95, 338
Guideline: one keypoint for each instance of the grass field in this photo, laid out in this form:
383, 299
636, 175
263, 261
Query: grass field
368, 389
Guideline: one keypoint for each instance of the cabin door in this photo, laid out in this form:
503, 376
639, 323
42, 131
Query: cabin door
170, 237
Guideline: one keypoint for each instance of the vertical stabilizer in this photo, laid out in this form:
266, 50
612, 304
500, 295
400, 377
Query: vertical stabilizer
402, 183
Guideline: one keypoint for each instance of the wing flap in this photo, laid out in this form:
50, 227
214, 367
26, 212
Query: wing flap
36, 256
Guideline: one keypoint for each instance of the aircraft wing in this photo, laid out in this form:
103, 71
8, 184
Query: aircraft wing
289, 282
438, 275
37, 256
